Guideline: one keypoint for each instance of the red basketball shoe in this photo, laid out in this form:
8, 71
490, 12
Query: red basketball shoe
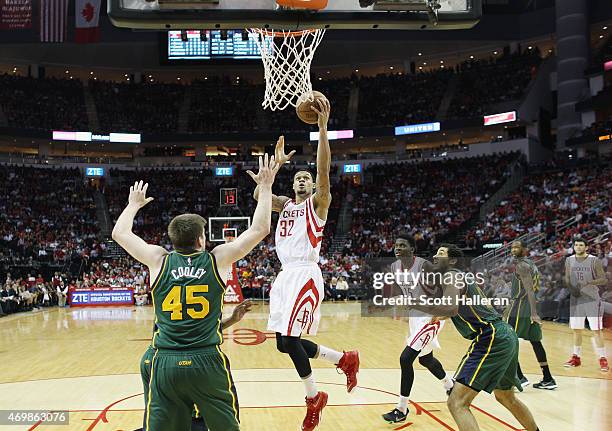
349, 365
314, 411
574, 361
603, 365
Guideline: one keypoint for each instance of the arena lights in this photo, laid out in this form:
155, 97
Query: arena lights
225, 171
126, 138
417, 128
333, 135
504, 117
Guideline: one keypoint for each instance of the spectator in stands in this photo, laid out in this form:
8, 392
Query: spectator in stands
342, 289
62, 293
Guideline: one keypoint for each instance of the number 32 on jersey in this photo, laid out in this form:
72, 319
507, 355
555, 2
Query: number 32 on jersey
286, 227
197, 307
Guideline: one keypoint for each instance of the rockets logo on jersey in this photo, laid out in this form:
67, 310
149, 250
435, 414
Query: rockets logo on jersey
299, 233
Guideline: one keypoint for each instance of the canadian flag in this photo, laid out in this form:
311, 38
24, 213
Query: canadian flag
87, 13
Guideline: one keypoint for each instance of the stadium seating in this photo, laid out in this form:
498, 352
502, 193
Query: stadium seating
484, 83
46, 215
545, 200
43, 104
427, 199
230, 105
127, 107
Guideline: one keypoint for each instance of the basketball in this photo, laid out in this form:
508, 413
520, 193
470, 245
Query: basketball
304, 110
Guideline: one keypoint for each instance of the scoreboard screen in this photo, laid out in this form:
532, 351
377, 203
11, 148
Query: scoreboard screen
214, 46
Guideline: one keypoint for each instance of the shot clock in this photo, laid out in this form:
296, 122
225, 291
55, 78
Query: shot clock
228, 197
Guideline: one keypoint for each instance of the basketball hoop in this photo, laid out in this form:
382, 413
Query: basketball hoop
287, 56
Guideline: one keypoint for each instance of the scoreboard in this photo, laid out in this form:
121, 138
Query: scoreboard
229, 45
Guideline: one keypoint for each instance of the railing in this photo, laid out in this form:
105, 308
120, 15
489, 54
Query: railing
494, 257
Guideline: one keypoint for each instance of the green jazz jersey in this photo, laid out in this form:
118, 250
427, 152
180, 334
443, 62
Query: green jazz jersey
188, 302
518, 290
474, 318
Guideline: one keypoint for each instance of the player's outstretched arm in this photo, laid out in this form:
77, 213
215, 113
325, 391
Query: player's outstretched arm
278, 202
148, 254
229, 253
322, 197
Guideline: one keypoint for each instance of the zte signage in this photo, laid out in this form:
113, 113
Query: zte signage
224, 172
352, 169
102, 297
94, 172
505, 117
417, 128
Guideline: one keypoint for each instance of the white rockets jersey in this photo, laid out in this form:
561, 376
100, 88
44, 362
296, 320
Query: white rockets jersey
583, 272
299, 233
410, 284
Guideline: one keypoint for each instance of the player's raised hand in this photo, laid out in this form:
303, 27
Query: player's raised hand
279, 152
322, 108
138, 194
268, 168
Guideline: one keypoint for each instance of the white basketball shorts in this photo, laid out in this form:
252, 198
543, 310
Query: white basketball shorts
295, 300
424, 335
592, 311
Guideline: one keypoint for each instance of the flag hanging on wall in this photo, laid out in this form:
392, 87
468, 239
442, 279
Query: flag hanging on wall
53, 20
87, 15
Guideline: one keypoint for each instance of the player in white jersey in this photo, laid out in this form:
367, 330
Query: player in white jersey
584, 274
409, 270
297, 292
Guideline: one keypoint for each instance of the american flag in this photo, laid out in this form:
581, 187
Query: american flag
53, 20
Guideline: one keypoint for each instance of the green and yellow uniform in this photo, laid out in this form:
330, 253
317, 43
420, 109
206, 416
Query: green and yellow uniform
187, 366
491, 360
519, 314
197, 421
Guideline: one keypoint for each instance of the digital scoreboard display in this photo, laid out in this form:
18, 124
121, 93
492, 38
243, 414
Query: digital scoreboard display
215, 45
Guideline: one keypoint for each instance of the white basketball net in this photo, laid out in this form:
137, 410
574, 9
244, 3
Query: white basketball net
287, 61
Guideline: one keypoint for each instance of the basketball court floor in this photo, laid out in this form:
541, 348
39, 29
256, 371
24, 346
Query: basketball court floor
86, 360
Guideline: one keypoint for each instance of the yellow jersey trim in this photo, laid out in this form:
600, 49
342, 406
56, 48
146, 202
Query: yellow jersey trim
485, 356
229, 384
150, 386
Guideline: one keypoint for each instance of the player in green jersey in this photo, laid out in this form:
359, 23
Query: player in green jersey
188, 367
490, 363
522, 314
197, 421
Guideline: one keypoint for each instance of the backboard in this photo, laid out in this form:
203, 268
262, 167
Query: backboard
339, 14
220, 228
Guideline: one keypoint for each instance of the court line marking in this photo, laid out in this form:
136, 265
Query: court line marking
418, 405
605, 376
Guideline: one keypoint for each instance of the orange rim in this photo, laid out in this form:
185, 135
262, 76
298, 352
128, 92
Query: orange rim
274, 33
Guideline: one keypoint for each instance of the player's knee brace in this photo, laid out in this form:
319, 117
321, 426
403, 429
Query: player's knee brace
427, 360
408, 356
280, 345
